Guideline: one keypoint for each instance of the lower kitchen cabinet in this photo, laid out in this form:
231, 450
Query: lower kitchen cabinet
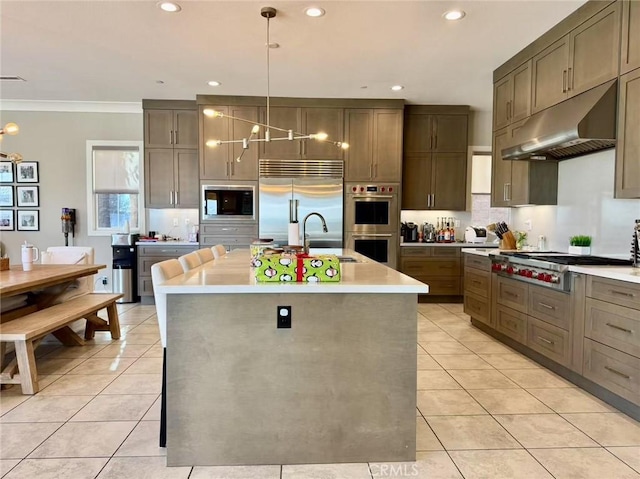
148, 255
439, 267
232, 235
477, 287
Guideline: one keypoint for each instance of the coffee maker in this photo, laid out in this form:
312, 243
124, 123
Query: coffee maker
428, 233
409, 232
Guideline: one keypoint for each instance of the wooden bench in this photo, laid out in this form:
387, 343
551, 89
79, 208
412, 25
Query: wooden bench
27, 331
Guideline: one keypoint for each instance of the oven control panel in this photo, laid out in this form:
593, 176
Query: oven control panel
372, 189
543, 277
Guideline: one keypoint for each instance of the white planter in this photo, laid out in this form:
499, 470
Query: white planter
584, 250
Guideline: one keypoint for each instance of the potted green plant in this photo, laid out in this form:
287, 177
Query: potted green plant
580, 244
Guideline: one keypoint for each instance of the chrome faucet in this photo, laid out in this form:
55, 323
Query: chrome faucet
305, 242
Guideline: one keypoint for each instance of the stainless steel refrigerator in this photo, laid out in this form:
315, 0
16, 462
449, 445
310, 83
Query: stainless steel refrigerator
316, 184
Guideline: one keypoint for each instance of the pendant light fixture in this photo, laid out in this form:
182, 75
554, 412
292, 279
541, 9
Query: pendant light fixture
289, 135
10, 129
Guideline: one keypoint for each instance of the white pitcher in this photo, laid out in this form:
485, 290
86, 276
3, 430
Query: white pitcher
30, 255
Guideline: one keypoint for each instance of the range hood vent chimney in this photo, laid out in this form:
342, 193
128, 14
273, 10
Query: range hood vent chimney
580, 125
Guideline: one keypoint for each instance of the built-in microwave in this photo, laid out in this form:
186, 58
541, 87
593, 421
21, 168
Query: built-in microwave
228, 202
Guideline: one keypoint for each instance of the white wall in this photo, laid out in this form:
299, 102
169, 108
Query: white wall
585, 206
57, 140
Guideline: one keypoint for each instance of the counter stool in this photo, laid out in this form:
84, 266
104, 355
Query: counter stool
205, 254
190, 261
218, 251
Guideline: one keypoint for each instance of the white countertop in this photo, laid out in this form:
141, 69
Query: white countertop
454, 245
232, 274
621, 273
167, 243
484, 251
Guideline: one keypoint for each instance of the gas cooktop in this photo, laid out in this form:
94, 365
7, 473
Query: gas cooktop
570, 259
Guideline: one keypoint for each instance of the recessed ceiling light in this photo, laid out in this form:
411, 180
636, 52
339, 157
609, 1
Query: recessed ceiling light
314, 12
170, 7
397, 87
454, 14
214, 83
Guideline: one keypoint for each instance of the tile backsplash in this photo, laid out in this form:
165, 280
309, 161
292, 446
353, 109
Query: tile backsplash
586, 206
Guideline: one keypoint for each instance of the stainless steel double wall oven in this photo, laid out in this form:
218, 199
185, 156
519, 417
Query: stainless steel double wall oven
371, 220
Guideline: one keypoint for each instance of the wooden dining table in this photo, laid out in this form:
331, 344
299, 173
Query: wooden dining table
38, 284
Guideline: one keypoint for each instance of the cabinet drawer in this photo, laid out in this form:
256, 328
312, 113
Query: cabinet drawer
232, 242
145, 263
511, 323
513, 294
478, 262
420, 251
477, 282
166, 251
616, 371
430, 266
445, 251
477, 307
145, 286
613, 325
229, 229
550, 306
612, 291
549, 340
441, 286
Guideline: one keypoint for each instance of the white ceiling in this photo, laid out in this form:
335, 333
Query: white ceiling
116, 51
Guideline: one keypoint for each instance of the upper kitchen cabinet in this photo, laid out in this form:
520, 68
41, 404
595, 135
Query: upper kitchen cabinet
515, 183
628, 145
171, 178
630, 52
171, 128
435, 157
226, 161
512, 97
306, 121
375, 144
584, 58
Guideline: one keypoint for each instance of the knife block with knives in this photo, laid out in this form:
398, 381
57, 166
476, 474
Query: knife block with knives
507, 240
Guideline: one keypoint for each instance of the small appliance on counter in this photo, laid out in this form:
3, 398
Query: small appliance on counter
409, 232
475, 234
428, 233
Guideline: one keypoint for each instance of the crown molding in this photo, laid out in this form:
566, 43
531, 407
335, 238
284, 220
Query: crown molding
71, 106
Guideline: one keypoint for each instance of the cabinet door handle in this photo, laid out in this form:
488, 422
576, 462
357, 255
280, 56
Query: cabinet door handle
510, 294
433, 200
619, 328
233, 167
370, 171
617, 372
171, 137
545, 340
428, 201
547, 306
226, 170
508, 109
622, 293
171, 197
564, 81
570, 79
430, 142
507, 189
175, 136
176, 198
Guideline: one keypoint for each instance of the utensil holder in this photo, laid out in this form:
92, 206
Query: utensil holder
4, 264
508, 241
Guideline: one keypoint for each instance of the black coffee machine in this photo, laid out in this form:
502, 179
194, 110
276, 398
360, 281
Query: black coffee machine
409, 232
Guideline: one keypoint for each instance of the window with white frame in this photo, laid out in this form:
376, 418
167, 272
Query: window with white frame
115, 196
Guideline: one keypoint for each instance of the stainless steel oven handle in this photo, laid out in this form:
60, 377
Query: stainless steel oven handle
364, 197
373, 235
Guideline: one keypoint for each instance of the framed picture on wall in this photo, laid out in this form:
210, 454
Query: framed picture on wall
6, 172
6, 195
27, 196
27, 172
28, 220
6, 220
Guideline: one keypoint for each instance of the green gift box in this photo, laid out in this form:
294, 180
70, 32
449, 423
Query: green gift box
297, 268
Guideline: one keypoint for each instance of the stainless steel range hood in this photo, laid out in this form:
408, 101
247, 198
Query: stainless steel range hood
577, 126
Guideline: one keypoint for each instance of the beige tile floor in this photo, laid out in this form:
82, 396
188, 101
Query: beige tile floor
484, 411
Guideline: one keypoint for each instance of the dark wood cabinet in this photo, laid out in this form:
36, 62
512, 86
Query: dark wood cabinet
170, 129
628, 144
584, 58
304, 121
630, 51
435, 158
375, 144
170, 154
438, 266
171, 178
516, 183
227, 161
512, 97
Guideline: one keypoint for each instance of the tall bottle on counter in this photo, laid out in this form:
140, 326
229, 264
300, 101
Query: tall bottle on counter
447, 232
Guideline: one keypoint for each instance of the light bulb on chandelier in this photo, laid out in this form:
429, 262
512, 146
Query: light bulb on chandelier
291, 135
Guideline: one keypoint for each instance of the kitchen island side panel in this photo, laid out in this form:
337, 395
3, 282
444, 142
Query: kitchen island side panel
339, 386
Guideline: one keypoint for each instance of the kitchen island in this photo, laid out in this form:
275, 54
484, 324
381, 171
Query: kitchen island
339, 385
